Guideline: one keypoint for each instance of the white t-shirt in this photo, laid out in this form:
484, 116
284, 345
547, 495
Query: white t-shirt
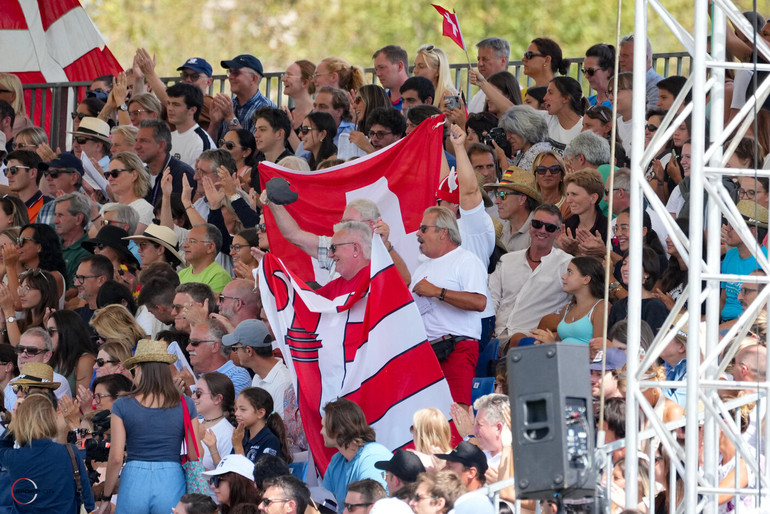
144, 209
224, 433
477, 231
188, 146
458, 270
558, 135
675, 202
625, 129
477, 102
276, 382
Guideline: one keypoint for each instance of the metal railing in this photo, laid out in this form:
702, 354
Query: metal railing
49, 104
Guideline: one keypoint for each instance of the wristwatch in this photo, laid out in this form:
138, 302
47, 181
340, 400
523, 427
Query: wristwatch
123, 107
10, 319
235, 122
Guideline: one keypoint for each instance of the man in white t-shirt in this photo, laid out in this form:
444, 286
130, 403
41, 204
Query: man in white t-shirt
189, 140
450, 290
489, 427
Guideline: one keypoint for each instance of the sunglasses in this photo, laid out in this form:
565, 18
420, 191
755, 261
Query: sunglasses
424, 228
190, 76
195, 342
115, 173
56, 172
215, 480
589, 72
597, 109
531, 55
137, 112
101, 362
502, 195
227, 144
198, 393
13, 170
83, 140
21, 241
549, 227
651, 127
29, 350
268, 501
333, 247
553, 170
78, 115
379, 134
22, 146
261, 227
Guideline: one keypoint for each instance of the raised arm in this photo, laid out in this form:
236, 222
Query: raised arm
288, 227
470, 194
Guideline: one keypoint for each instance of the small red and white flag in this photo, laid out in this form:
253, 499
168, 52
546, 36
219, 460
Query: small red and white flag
368, 346
451, 28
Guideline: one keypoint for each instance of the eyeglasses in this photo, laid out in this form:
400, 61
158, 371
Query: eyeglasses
177, 307
261, 227
589, 72
615, 190
651, 127
21, 241
610, 92
333, 247
98, 397
238, 248
304, 129
597, 109
137, 112
22, 146
198, 393
115, 173
747, 193
222, 298
316, 74
54, 173
29, 350
189, 76
268, 501
417, 497
379, 134
13, 170
227, 144
549, 227
78, 115
196, 342
101, 362
530, 55
553, 170
83, 140
82, 278
424, 228
502, 195
23, 290
352, 506
747, 291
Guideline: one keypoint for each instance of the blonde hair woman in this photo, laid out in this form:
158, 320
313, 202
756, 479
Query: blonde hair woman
114, 323
123, 138
337, 72
549, 170
34, 428
11, 92
129, 182
433, 64
431, 436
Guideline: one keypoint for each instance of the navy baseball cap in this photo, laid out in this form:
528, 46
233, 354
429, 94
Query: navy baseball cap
467, 454
198, 64
63, 160
404, 464
244, 61
616, 359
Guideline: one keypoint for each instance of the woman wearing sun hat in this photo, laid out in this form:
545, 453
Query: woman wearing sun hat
149, 424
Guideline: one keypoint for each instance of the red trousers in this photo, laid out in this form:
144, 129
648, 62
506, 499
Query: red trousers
460, 368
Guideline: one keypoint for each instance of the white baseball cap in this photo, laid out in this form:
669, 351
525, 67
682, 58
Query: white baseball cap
233, 463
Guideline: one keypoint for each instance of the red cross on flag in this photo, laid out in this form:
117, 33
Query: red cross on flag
451, 28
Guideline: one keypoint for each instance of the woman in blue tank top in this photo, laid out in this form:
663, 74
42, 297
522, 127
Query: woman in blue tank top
582, 319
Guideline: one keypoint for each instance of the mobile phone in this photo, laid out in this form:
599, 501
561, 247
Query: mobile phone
452, 102
673, 154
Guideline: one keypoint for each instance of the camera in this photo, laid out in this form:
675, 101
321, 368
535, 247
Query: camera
495, 134
98, 447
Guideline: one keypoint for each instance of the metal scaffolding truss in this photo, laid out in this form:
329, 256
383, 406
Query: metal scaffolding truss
706, 83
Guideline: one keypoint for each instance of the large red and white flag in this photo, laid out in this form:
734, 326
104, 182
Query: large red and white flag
368, 346
451, 27
402, 179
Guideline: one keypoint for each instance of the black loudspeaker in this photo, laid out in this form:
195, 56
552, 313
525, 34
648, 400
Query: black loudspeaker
551, 418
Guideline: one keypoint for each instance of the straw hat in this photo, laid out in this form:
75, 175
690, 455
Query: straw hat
93, 128
753, 213
163, 236
150, 351
519, 180
37, 374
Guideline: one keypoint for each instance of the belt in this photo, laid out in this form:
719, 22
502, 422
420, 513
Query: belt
455, 337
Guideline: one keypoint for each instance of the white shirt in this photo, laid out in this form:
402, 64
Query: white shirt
276, 382
477, 102
521, 296
458, 270
625, 129
188, 146
477, 231
558, 135
144, 209
224, 432
62, 391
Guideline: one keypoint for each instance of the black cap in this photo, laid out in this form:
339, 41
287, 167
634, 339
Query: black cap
113, 237
468, 455
404, 464
243, 61
63, 160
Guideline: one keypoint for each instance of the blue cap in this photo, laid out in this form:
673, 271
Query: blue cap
64, 160
616, 359
244, 61
198, 64
250, 332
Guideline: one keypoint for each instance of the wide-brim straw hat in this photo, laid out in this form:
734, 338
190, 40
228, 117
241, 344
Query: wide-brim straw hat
93, 128
37, 374
150, 351
163, 236
519, 180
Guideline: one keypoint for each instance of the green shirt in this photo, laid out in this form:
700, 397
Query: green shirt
73, 254
214, 275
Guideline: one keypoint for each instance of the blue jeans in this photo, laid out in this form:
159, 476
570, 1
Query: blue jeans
150, 487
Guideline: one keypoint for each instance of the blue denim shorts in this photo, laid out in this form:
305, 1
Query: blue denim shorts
150, 487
